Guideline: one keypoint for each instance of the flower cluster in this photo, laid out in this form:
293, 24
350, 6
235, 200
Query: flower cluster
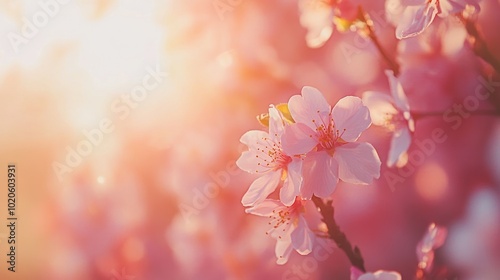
417, 15
309, 147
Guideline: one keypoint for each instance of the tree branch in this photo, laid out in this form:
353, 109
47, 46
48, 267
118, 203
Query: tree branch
327, 211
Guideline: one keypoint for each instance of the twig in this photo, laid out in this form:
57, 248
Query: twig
327, 211
479, 45
419, 115
393, 65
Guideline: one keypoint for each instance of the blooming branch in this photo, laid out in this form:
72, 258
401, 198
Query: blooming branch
368, 28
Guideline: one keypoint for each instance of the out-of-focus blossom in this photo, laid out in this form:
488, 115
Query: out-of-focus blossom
474, 243
417, 15
265, 156
317, 17
393, 112
433, 239
320, 16
328, 136
288, 226
357, 274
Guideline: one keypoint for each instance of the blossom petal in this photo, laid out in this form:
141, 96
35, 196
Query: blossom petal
310, 108
316, 17
276, 125
293, 181
351, 117
401, 140
283, 250
416, 19
320, 174
261, 188
397, 92
381, 275
265, 208
380, 106
249, 162
298, 139
302, 237
252, 137
358, 163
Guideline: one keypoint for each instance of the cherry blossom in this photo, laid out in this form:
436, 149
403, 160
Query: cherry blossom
328, 136
417, 15
320, 16
289, 225
392, 112
266, 157
433, 239
317, 17
357, 274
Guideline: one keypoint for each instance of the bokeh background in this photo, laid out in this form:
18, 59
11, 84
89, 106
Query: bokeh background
158, 197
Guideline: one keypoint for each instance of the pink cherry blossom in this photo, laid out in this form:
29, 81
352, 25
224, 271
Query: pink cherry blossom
266, 157
417, 15
393, 112
317, 17
289, 225
328, 137
320, 16
433, 239
357, 274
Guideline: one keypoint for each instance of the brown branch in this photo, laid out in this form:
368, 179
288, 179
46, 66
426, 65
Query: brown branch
419, 115
327, 211
363, 17
479, 45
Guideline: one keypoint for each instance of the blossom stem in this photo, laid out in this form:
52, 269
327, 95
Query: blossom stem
419, 115
327, 211
363, 17
479, 45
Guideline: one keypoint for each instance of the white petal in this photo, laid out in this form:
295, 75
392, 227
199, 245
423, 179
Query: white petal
381, 275
261, 188
252, 137
293, 182
416, 19
400, 143
380, 106
320, 174
298, 139
265, 208
283, 250
302, 237
351, 117
397, 92
249, 162
358, 163
309, 106
276, 125
317, 18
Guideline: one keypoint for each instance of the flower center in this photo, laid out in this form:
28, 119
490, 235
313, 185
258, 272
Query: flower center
272, 156
283, 217
328, 136
395, 121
